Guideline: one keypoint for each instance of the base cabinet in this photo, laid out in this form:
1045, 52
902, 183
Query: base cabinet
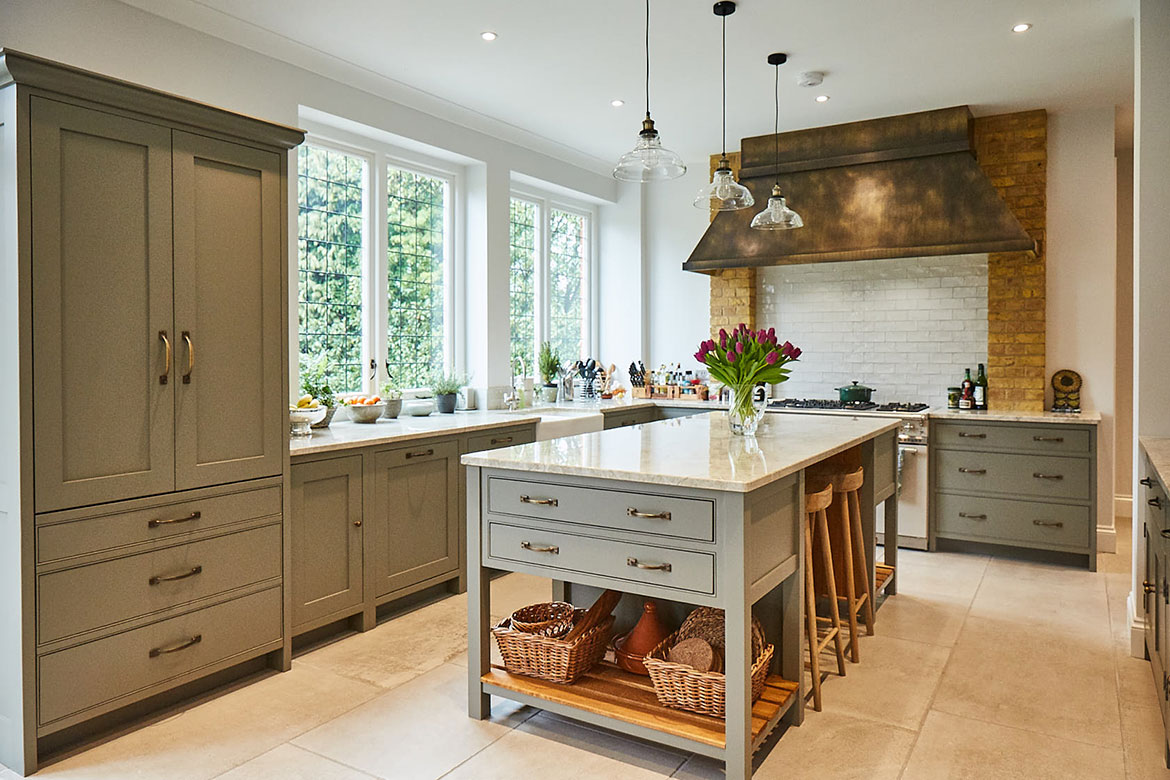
1155, 593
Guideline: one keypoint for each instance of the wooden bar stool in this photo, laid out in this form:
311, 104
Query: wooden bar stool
848, 553
821, 631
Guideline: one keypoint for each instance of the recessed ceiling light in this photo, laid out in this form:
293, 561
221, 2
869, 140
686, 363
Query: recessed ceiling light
616, 103
822, 98
488, 35
1021, 27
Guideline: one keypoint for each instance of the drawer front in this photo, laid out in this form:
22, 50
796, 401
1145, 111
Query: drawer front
100, 594
74, 680
1014, 522
1000, 473
1044, 439
112, 528
497, 439
622, 561
419, 453
670, 516
626, 419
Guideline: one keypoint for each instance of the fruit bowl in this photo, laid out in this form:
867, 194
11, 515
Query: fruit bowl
366, 413
302, 419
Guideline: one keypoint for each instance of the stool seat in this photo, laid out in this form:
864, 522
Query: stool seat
821, 631
842, 481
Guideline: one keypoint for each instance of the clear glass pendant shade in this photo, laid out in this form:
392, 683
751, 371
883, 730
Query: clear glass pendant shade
649, 160
777, 215
724, 193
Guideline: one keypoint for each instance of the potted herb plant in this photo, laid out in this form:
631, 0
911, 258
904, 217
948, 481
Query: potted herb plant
315, 383
549, 361
392, 397
446, 387
741, 360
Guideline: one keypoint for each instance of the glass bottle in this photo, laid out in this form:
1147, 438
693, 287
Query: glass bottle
967, 392
981, 389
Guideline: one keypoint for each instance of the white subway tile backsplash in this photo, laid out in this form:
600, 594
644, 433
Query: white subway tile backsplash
906, 327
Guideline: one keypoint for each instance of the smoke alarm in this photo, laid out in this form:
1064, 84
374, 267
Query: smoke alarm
810, 78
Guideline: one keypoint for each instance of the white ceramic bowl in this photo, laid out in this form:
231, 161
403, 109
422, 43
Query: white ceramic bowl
366, 413
302, 418
418, 407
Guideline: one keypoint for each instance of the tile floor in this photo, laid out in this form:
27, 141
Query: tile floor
981, 668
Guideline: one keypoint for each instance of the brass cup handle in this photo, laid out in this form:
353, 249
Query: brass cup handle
156, 579
1048, 523
631, 512
648, 566
190, 357
1038, 475
970, 516
965, 435
963, 470
1057, 439
156, 652
552, 548
1149, 587
162, 380
172, 521
538, 501
1165, 533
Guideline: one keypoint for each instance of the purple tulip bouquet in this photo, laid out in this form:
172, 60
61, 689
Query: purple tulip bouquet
741, 360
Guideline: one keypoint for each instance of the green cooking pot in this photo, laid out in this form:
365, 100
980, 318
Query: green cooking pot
855, 392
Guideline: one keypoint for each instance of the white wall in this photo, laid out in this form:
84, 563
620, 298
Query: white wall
622, 309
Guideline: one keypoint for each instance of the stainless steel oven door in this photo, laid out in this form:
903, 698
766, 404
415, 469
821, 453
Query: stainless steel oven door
912, 484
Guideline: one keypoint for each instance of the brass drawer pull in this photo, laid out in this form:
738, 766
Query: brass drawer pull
648, 566
504, 440
1165, 533
162, 380
156, 579
1038, 475
965, 435
1057, 439
1155, 502
971, 516
156, 652
538, 501
1048, 523
190, 357
630, 511
172, 521
1149, 587
420, 453
552, 548
963, 470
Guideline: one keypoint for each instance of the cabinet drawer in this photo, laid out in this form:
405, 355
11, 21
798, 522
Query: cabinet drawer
419, 453
683, 518
60, 536
497, 439
1050, 439
1032, 475
1014, 522
100, 594
621, 561
126, 665
626, 419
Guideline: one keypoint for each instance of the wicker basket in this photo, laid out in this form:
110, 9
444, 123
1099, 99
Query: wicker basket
685, 688
552, 659
552, 619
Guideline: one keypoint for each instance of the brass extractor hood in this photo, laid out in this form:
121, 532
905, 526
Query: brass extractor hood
901, 186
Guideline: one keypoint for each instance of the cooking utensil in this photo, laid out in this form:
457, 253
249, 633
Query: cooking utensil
854, 392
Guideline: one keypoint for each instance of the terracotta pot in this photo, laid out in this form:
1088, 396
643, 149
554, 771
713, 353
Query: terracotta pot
645, 636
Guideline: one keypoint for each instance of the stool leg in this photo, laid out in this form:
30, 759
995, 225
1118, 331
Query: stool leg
810, 608
834, 610
850, 590
860, 565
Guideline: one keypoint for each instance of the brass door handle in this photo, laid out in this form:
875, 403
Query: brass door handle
1149, 587
156, 652
1056, 439
538, 501
1048, 523
648, 566
1038, 475
963, 470
190, 357
420, 453
172, 521
552, 548
357, 523
162, 380
965, 435
972, 517
631, 512
156, 579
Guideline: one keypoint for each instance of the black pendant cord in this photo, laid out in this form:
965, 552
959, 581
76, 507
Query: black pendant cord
776, 126
724, 66
647, 59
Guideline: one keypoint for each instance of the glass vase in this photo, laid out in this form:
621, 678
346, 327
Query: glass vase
744, 413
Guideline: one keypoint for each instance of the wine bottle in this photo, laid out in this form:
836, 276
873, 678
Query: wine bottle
981, 389
967, 394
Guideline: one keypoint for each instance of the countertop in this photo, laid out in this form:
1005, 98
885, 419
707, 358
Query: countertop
1158, 449
346, 434
697, 451
1083, 418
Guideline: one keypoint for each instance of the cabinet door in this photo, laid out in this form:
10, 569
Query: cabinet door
326, 537
230, 418
1150, 587
103, 401
416, 521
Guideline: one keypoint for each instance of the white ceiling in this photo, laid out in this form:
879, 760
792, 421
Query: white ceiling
557, 64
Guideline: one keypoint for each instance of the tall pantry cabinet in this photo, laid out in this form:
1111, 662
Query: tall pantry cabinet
143, 374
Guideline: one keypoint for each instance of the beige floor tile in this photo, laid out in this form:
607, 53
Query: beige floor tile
289, 762
513, 591
567, 750
1136, 685
954, 576
1145, 745
700, 768
954, 747
1055, 682
1061, 600
838, 746
215, 736
933, 619
417, 731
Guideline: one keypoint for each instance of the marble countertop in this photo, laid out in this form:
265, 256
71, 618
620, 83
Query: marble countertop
1084, 418
346, 434
697, 451
1158, 448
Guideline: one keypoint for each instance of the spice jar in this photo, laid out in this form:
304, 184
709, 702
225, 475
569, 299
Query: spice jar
953, 397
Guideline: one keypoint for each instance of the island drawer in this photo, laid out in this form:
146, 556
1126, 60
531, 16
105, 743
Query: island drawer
87, 597
671, 516
498, 439
1042, 439
627, 418
1032, 475
1007, 521
622, 562
125, 666
71, 533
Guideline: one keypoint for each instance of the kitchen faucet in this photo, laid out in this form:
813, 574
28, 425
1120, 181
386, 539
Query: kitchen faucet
512, 399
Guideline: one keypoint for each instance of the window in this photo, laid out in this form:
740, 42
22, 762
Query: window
549, 279
330, 261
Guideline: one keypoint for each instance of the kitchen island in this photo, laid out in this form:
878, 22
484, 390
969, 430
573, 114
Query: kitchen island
681, 511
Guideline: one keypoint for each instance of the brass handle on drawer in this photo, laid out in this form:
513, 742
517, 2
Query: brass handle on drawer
1149, 587
156, 579
1048, 523
630, 511
503, 440
1038, 475
552, 548
972, 517
172, 521
963, 470
965, 435
1146, 481
1057, 439
420, 453
538, 501
1155, 502
649, 566
190, 357
156, 652
162, 380
1165, 533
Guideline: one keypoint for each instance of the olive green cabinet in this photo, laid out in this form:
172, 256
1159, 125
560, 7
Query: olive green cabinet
1154, 521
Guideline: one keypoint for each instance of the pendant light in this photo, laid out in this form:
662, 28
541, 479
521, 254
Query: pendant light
649, 161
777, 216
724, 193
